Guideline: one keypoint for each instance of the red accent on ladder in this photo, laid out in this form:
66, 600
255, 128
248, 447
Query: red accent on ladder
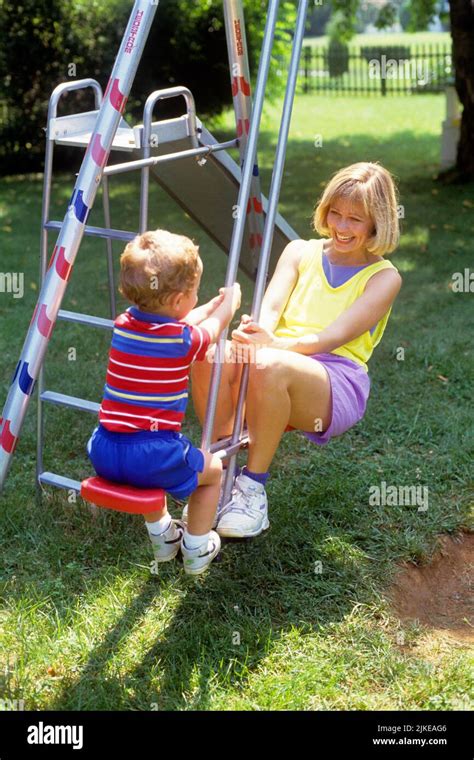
244, 86
98, 153
63, 267
117, 99
257, 205
7, 439
241, 125
45, 325
235, 86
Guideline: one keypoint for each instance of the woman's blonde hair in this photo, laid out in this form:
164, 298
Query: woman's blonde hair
373, 186
155, 265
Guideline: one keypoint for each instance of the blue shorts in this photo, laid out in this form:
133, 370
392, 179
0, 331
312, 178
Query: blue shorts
147, 459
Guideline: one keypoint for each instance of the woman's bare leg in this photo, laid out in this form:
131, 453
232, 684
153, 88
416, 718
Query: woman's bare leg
228, 391
285, 388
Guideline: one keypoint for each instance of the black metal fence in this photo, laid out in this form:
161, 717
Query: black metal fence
375, 69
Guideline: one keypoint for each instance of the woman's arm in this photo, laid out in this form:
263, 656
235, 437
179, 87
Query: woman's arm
280, 286
378, 296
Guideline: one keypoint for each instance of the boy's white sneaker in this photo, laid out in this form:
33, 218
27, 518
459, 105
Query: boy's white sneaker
196, 561
246, 514
166, 545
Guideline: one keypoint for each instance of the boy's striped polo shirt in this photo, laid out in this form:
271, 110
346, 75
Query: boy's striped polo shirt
148, 371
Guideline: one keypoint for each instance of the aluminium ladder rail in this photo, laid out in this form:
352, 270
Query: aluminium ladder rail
230, 446
72, 229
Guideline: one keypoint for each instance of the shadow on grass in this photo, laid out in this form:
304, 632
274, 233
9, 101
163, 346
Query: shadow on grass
225, 624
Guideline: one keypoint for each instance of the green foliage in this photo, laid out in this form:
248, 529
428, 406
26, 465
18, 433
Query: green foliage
421, 14
387, 16
337, 58
345, 14
46, 42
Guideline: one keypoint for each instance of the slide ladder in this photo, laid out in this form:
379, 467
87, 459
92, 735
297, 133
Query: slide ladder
193, 168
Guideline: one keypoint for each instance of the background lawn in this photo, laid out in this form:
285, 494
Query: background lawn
86, 625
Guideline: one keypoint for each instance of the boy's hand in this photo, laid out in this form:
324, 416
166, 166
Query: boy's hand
215, 302
233, 293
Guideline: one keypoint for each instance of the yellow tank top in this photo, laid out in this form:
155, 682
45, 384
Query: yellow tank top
314, 304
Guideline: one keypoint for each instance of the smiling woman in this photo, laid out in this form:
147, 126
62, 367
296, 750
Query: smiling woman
323, 313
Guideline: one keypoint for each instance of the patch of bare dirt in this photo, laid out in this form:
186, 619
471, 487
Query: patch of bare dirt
440, 594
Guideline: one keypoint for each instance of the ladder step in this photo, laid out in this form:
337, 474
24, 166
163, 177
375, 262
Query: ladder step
51, 479
223, 448
100, 232
70, 401
76, 130
85, 319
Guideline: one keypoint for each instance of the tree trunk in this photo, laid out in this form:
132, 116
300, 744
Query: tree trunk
462, 32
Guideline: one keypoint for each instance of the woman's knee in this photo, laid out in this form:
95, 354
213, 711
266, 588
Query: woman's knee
268, 369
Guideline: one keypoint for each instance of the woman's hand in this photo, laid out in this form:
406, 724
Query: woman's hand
251, 332
249, 337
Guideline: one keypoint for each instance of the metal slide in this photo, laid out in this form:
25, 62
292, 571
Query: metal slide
213, 210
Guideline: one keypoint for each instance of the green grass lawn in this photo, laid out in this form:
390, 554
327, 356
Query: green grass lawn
86, 625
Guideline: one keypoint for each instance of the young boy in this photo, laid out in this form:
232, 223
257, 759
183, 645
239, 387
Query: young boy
138, 441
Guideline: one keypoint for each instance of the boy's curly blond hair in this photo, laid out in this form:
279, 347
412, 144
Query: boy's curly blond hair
155, 265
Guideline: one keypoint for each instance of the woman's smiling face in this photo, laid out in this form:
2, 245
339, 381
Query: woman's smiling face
349, 225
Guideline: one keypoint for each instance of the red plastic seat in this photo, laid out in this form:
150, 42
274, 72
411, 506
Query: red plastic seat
110, 495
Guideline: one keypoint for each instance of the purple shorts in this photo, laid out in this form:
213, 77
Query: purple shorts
350, 387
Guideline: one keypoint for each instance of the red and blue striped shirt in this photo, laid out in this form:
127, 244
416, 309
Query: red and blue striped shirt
148, 371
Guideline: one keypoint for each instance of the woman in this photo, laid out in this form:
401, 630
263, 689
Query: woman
324, 311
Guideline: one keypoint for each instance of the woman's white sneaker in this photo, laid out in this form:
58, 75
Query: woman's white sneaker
246, 514
196, 561
167, 544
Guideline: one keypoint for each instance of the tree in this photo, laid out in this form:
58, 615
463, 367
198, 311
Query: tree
462, 32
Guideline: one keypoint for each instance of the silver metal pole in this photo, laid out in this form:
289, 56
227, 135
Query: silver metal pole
268, 232
109, 248
70, 237
140, 163
151, 101
239, 225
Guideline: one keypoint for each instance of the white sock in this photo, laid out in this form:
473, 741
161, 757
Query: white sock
195, 542
159, 526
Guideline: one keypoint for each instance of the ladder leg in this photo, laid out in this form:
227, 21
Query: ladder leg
108, 248
72, 230
273, 196
242, 201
